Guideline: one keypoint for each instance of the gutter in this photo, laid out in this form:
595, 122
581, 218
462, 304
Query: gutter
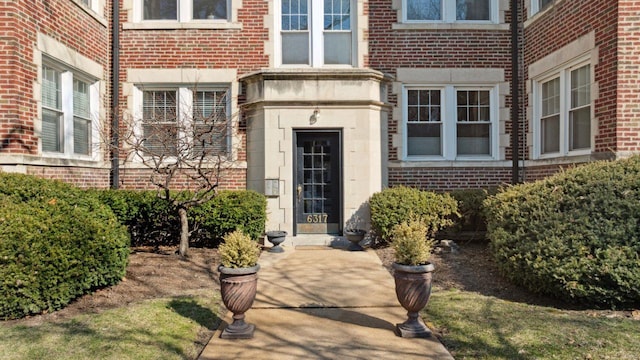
515, 95
115, 92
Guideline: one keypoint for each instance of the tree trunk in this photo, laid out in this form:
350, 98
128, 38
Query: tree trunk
184, 232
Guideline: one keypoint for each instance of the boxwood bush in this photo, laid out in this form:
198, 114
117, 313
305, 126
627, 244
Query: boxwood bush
575, 235
57, 242
392, 206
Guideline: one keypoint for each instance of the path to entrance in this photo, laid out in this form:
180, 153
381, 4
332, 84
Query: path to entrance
315, 302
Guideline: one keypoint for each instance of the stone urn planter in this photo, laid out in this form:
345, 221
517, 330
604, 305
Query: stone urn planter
355, 236
238, 269
276, 238
238, 288
413, 289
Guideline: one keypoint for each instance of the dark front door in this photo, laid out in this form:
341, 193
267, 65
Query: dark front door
317, 182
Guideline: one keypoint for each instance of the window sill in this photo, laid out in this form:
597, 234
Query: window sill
46, 160
485, 162
174, 25
450, 26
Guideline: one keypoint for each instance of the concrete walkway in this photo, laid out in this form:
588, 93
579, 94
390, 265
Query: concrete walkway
315, 302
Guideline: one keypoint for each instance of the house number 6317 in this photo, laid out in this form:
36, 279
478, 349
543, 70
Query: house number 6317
317, 218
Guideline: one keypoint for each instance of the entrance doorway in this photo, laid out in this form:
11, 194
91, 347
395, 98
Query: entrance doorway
317, 186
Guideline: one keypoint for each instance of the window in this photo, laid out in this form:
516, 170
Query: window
448, 10
433, 131
564, 109
185, 10
66, 111
186, 121
316, 33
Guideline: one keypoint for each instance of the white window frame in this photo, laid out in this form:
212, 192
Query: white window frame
184, 108
535, 7
564, 74
449, 14
448, 111
67, 76
316, 32
97, 6
184, 14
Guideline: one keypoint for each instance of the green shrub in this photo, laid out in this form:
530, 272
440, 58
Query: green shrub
57, 242
410, 242
394, 205
238, 250
230, 210
151, 220
470, 209
574, 235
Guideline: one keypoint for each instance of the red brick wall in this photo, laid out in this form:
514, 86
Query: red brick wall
567, 21
628, 77
139, 179
79, 176
452, 178
20, 22
240, 49
390, 49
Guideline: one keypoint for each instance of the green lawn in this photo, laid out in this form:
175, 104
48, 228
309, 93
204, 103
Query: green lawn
481, 327
153, 329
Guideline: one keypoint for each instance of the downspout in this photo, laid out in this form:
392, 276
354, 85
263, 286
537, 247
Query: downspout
515, 95
115, 92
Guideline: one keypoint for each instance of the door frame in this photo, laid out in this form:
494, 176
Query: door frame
339, 176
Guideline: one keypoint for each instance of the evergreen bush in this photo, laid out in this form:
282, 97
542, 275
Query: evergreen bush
410, 242
230, 210
574, 235
470, 209
153, 222
57, 242
393, 205
238, 250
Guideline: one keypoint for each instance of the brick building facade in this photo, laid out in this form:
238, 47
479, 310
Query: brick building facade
326, 102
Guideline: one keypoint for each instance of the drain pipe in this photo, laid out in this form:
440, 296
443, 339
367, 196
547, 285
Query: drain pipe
115, 92
515, 95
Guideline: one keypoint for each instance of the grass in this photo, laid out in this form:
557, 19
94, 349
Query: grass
154, 329
481, 327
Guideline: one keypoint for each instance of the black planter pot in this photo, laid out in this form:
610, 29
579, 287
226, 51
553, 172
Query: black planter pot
238, 289
413, 289
276, 238
354, 237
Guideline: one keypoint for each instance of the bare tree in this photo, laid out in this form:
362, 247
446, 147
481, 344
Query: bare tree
182, 138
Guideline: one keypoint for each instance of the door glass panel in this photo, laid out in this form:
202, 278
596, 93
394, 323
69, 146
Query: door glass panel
317, 212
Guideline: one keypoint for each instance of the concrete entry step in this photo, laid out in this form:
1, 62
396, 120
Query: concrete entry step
301, 240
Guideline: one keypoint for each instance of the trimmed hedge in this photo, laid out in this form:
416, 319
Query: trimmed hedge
231, 210
57, 243
575, 235
392, 206
152, 221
